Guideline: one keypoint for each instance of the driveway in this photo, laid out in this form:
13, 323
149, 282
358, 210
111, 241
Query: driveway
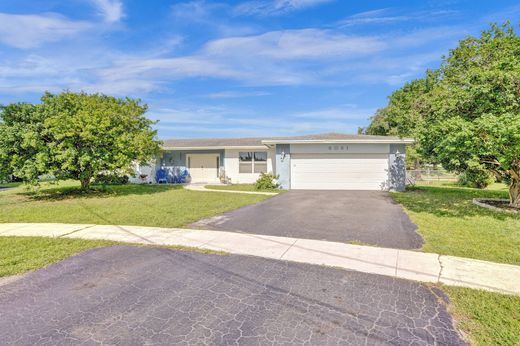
370, 217
137, 295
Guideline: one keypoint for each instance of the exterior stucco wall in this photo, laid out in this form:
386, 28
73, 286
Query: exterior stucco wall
397, 167
231, 167
283, 165
175, 160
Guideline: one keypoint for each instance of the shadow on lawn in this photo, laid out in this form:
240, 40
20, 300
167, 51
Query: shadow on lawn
97, 191
450, 201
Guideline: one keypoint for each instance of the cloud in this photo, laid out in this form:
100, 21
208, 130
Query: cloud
387, 16
110, 10
193, 10
272, 58
237, 94
372, 17
295, 44
274, 7
30, 30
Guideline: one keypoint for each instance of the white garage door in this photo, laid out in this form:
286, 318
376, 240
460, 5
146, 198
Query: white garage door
339, 171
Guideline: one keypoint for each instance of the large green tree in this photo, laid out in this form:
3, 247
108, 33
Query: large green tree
75, 136
466, 114
472, 115
402, 116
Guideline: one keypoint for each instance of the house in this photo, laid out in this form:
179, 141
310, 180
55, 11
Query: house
330, 161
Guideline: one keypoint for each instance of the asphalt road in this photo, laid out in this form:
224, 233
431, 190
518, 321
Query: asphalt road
371, 217
136, 295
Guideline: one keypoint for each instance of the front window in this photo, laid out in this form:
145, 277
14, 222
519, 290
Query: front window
260, 162
250, 162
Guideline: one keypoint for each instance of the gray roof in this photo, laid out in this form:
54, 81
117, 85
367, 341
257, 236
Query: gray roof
257, 141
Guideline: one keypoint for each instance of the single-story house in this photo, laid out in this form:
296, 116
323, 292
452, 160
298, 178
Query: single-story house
331, 161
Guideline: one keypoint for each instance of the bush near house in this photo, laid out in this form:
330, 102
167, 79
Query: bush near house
267, 181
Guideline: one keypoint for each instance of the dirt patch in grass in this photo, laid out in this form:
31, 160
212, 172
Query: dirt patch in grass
501, 205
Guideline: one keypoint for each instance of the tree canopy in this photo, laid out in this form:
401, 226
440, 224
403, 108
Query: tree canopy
466, 115
74, 136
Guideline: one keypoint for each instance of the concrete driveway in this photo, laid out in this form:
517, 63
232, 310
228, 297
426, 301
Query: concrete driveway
136, 295
371, 217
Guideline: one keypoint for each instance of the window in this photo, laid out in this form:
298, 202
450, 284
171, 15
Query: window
250, 162
260, 162
245, 164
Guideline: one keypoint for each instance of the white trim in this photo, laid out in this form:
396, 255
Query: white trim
308, 141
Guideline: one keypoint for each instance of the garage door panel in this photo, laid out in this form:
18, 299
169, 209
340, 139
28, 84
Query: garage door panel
339, 171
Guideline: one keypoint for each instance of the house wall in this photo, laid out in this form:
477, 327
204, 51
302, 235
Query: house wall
283, 165
332, 148
172, 160
397, 167
177, 158
232, 164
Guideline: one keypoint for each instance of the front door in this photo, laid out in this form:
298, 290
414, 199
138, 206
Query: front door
203, 168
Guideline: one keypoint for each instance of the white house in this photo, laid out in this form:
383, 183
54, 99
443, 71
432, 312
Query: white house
331, 161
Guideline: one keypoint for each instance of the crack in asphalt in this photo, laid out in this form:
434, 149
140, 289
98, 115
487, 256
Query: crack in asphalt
130, 295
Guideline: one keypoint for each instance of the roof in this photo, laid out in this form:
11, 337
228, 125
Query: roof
262, 141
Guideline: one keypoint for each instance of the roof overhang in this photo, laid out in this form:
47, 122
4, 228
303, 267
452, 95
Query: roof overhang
327, 141
250, 147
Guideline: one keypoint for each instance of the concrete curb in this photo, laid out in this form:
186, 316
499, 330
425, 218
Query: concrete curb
404, 264
481, 202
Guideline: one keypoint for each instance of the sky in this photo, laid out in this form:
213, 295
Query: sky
248, 68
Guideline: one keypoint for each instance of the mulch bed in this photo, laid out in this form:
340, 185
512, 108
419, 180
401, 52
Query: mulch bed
496, 204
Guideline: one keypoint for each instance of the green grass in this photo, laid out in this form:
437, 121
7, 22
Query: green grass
22, 254
452, 225
488, 318
3, 185
142, 205
241, 187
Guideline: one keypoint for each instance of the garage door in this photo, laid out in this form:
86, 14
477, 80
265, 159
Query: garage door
339, 171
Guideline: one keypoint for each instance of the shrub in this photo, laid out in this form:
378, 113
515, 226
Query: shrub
111, 179
267, 181
477, 178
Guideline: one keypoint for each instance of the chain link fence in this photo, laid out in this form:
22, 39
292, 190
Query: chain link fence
428, 176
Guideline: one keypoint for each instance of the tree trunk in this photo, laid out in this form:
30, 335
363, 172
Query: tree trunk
514, 193
85, 183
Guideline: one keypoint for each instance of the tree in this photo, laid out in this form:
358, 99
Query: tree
22, 150
473, 112
466, 114
75, 136
402, 116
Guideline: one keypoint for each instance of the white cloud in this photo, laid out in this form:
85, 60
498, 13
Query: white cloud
388, 16
110, 10
237, 94
274, 7
193, 10
31, 30
295, 44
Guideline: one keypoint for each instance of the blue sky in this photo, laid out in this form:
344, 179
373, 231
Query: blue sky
235, 68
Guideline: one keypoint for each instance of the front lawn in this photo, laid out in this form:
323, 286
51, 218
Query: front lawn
21, 254
241, 187
141, 205
452, 225
489, 318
